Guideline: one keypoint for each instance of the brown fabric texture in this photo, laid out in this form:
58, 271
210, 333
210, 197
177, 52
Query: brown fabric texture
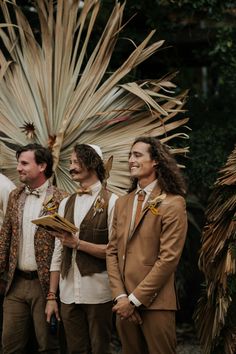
11, 233
143, 261
93, 229
88, 327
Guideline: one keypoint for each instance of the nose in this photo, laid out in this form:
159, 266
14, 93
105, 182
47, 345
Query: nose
71, 164
131, 159
18, 167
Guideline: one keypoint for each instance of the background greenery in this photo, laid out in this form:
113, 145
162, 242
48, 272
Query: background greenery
200, 45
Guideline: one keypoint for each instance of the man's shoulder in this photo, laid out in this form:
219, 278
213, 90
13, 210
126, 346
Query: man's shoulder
16, 191
59, 192
123, 199
173, 201
5, 179
173, 197
6, 183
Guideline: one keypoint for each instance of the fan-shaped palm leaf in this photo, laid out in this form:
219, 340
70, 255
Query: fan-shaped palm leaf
215, 319
54, 94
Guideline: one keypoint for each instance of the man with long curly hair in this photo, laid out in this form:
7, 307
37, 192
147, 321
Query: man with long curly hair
148, 235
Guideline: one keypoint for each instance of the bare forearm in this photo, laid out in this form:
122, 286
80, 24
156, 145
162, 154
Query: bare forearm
93, 249
54, 281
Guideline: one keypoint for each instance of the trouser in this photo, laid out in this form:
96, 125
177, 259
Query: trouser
157, 333
87, 327
24, 303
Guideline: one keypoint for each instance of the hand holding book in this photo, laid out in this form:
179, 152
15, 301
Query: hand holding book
55, 222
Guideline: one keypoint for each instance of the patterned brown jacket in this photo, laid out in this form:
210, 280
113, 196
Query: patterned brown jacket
11, 232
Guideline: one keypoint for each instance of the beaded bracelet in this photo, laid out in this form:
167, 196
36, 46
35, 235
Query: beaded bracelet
51, 296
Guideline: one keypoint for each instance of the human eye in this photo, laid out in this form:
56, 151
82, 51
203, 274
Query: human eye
137, 154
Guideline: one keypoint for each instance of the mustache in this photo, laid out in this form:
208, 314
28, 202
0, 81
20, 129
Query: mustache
73, 170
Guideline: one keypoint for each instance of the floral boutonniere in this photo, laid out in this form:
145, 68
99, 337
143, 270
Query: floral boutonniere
154, 203
99, 205
49, 206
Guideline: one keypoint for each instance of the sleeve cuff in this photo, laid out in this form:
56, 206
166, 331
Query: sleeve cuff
134, 300
118, 297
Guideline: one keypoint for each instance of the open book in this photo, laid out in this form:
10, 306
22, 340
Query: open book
55, 222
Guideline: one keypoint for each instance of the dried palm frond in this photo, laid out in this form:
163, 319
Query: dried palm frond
214, 318
55, 94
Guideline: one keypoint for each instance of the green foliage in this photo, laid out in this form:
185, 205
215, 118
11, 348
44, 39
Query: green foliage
209, 150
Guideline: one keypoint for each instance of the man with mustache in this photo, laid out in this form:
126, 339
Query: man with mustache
26, 252
148, 236
86, 306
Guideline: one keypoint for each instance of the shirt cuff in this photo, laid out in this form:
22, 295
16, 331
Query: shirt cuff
120, 296
134, 300
55, 268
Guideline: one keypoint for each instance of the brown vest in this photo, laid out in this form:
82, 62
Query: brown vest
93, 229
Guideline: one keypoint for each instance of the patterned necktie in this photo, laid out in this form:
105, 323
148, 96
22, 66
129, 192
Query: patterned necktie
141, 197
82, 191
30, 191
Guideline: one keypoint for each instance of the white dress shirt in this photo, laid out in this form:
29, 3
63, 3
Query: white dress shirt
32, 209
6, 186
74, 288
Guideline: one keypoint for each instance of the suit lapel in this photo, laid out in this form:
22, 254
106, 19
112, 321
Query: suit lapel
155, 192
20, 209
129, 209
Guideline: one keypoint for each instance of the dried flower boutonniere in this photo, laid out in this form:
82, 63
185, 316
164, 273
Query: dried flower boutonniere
99, 205
49, 206
154, 203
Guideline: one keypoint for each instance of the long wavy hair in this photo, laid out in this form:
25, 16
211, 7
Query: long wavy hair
90, 159
168, 173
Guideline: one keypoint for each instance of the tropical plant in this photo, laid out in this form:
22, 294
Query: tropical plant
215, 313
56, 90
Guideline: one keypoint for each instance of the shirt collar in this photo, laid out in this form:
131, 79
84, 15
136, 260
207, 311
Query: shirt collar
40, 190
96, 187
148, 189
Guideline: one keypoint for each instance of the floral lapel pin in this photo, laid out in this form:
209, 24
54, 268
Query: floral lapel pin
99, 205
153, 204
49, 206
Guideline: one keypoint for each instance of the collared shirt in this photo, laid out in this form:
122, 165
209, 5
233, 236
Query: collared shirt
148, 190
93, 289
6, 186
32, 209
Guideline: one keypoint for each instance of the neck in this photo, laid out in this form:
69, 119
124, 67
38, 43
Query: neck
36, 184
88, 183
143, 183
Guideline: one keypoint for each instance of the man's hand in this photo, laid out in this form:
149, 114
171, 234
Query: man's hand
123, 308
52, 307
135, 317
67, 239
127, 311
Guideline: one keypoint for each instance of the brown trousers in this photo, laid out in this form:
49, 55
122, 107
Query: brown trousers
87, 327
156, 335
24, 303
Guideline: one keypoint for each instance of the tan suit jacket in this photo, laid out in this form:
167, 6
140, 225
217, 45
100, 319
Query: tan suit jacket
11, 233
144, 261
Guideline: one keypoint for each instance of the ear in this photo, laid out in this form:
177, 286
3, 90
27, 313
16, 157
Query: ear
43, 166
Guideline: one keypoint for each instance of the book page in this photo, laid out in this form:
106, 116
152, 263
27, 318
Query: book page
55, 222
